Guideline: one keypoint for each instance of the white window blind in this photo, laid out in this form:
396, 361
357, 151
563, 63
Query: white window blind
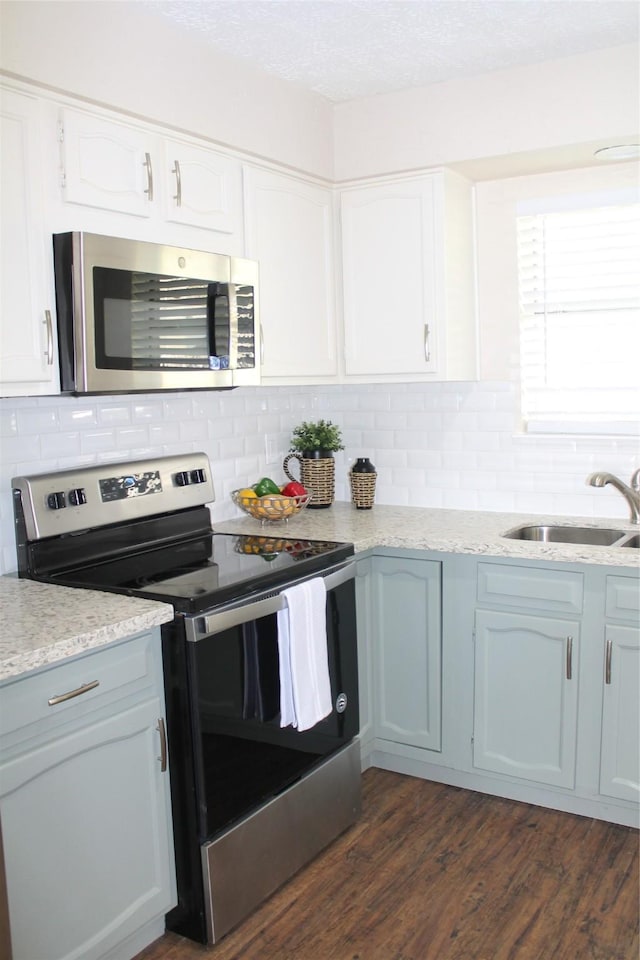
579, 286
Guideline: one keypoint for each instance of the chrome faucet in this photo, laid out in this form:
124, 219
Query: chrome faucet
630, 493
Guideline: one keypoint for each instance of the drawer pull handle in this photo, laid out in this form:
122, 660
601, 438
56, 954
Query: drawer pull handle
607, 661
149, 169
163, 745
427, 344
178, 194
73, 693
49, 328
569, 657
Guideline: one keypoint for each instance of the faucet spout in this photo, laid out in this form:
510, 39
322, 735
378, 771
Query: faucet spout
630, 493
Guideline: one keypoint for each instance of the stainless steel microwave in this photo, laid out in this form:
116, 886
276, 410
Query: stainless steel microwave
141, 317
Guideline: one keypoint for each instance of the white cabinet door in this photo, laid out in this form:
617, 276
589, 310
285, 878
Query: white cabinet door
27, 337
87, 843
289, 230
107, 164
526, 696
390, 295
407, 256
407, 655
620, 750
204, 188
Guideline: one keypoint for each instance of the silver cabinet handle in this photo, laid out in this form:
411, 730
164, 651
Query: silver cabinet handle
60, 698
427, 345
149, 169
607, 661
178, 194
49, 351
569, 664
163, 745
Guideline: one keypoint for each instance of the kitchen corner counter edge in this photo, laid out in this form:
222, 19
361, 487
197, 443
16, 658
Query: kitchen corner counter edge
441, 530
42, 624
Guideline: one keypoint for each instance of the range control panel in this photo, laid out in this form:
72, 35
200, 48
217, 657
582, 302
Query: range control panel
58, 503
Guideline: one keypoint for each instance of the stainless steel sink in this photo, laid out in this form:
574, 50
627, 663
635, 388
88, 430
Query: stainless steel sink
594, 536
632, 541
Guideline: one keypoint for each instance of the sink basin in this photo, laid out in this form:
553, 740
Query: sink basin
633, 541
595, 536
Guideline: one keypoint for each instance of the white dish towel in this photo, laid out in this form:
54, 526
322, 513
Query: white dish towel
305, 687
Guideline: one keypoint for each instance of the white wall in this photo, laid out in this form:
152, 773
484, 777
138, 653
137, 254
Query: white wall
116, 54
541, 107
449, 445
435, 445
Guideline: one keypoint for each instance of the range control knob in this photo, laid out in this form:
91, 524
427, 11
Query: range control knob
182, 478
77, 496
56, 501
197, 476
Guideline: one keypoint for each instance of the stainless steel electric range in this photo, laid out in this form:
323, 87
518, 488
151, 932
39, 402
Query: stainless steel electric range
252, 800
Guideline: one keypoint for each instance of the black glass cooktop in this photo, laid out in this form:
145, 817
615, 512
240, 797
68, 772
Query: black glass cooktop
208, 570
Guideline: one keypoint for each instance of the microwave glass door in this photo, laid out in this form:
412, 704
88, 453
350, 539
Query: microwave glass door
149, 321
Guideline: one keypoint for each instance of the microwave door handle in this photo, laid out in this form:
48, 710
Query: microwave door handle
216, 292
212, 296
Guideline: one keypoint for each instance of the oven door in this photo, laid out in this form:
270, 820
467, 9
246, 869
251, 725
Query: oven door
242, 756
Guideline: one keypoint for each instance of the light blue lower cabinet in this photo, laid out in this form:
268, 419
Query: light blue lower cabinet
85, 810
620, 746
526, 696
407, 645
491, 674
364, 616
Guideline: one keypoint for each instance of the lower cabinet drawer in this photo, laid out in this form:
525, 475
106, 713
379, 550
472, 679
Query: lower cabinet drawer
560, 591
623, 598
76, 687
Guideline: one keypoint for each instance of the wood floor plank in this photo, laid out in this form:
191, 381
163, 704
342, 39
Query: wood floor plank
432, 872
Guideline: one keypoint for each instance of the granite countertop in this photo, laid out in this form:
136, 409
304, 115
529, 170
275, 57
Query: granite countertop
447, 531
41, 623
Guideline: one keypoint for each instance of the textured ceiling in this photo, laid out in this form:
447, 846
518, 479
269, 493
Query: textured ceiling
345, 49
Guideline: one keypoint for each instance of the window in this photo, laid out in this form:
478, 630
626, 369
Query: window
579, 287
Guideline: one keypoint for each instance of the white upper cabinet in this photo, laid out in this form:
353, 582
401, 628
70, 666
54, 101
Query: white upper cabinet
289, 227
205, 188
167, 185
106, 164
407, 260
27, 339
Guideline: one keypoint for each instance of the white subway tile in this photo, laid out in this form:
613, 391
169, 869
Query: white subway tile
114, 414
61, 444
129, 438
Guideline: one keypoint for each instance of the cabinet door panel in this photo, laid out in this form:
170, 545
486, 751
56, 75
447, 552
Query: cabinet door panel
526, 705
388, 245
366, 633
620, 756
205, 188
408, 651
107, 164
26, 299
289, 230
86, 844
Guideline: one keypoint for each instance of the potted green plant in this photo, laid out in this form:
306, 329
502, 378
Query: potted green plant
319, 438
313, 444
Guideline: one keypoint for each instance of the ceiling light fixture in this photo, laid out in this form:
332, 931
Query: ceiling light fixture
621, 151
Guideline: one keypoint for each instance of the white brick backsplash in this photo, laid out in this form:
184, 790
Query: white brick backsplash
115, 414
434, 445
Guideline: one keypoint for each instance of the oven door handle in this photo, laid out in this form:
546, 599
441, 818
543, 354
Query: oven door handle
246, 612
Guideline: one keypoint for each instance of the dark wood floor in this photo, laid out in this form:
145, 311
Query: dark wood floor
432, 872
